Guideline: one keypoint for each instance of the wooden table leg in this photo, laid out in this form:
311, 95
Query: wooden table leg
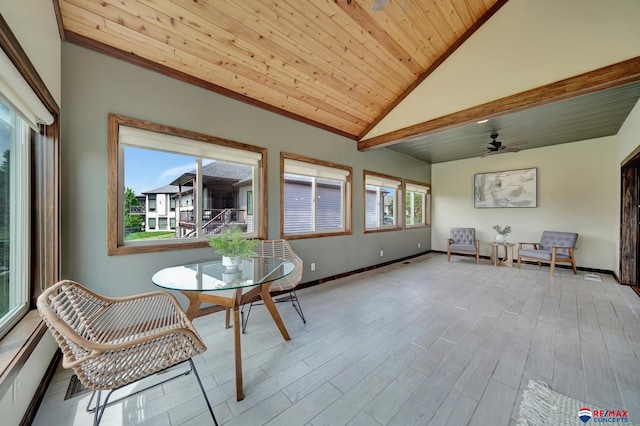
237, 327
271, 306
194, 303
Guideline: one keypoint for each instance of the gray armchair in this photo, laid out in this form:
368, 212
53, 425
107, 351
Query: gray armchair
463, 241
553, 247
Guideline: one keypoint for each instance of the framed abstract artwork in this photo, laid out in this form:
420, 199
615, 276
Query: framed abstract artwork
509, 188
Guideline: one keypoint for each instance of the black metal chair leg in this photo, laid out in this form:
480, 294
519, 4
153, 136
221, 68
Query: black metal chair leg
98, 410
244, 320
296, 305
195, 373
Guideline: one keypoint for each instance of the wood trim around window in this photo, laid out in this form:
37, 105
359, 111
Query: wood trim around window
18, 345
399, 220
115, 244
427, 218
348, 202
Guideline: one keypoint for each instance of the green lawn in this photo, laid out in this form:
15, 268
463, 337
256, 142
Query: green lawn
149, 235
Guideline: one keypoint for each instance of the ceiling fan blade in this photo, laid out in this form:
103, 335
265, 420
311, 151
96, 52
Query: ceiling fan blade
510, 150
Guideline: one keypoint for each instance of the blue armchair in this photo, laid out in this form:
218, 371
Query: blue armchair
463, 241
553, 247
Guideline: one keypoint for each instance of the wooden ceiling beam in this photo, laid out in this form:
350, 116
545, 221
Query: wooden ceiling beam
603, 78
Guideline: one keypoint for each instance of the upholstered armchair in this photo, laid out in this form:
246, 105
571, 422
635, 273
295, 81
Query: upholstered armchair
463, 241
553, 247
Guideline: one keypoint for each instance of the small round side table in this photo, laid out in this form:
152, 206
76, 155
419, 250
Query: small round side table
507, 259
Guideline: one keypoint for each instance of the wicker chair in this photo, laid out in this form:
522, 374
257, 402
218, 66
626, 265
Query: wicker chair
112, 342
280, 249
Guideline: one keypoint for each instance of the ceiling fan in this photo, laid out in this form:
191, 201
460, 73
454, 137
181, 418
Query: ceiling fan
497, 147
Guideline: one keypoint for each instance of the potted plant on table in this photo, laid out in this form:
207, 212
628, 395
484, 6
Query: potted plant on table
233, 247
501, 237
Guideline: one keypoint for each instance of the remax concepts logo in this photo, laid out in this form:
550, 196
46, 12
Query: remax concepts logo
603, 416
584, 414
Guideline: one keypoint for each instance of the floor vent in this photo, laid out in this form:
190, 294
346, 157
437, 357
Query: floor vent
76, 388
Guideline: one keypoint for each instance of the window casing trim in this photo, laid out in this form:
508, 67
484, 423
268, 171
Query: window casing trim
383, 180
115, 206
419, 187
324, 169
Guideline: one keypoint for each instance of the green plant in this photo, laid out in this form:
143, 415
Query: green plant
231, 243
502, 231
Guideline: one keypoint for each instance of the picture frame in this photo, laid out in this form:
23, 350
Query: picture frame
506, 189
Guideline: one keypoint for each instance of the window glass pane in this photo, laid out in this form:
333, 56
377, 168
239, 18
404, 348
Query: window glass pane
381, 202
168, 184
372, 212
329, 204
415, 208
388, 203
298, 203
14, 195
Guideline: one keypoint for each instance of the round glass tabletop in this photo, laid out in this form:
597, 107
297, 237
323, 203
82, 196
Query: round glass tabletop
211, 275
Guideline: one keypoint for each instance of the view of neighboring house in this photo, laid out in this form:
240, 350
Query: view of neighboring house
227, 200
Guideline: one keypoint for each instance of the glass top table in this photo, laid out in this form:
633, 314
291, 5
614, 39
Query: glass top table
211, 275
208, 281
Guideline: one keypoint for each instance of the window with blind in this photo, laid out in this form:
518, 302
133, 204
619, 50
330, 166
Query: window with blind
24, 140
417, 204
193, 186
315, 197
381, 200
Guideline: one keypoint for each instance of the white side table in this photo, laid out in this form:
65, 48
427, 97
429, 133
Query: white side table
506, 259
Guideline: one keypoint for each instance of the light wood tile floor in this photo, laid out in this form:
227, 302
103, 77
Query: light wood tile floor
414, 343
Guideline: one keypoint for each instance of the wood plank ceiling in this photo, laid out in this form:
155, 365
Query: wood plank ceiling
336, 64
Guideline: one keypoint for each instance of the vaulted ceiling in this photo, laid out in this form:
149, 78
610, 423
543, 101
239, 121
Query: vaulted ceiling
337, 63
341, 65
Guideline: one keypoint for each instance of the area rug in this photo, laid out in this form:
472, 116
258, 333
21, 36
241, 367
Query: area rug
541, 406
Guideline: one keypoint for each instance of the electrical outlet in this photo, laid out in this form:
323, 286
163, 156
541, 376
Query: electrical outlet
419, 245
381, 253
313, 266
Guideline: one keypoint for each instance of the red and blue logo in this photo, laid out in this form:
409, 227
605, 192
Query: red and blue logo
585, 414
603, 416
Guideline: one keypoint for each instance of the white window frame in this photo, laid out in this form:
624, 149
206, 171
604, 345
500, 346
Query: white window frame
315, 169
125, 131
379, 181
19, 223
424, 189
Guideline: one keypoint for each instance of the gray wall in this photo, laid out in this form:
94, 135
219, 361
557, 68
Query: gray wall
94, 85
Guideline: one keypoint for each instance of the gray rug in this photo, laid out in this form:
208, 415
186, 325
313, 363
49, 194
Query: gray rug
541, 406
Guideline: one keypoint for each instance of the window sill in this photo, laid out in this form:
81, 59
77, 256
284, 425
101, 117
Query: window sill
17, 346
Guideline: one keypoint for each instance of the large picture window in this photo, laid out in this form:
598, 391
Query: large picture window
315, 197
194, 182
417, 204
381, 198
